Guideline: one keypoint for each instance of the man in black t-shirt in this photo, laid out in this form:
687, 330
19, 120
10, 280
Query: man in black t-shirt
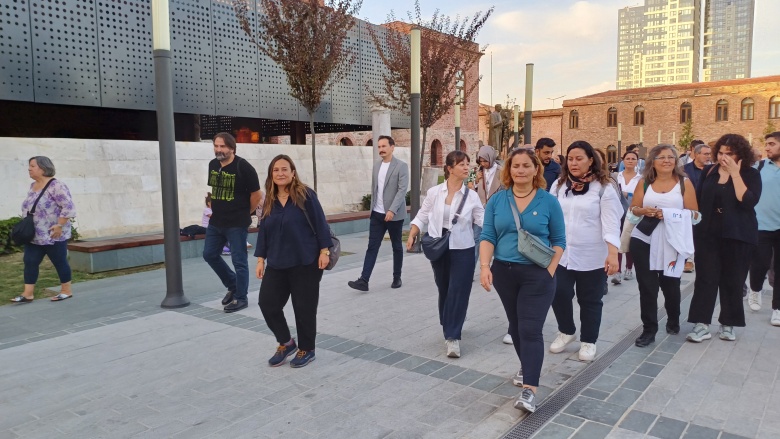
235, 194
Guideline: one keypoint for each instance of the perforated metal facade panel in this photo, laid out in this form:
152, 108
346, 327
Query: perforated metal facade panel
99, 53
193, 69
65, 53
125, 46
16, 76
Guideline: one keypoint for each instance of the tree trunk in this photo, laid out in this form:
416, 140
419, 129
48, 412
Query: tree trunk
313, 148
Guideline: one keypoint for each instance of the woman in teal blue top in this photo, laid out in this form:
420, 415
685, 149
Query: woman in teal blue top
526, 289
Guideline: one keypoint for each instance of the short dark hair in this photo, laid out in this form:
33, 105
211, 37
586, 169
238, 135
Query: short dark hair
695, 142
230, 141
452, 159
389, 140
775, 135
631, 147
545, 141
738, 145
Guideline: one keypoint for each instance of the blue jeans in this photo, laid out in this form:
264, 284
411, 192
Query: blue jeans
453, 273
377, 227
58, 255
216, 237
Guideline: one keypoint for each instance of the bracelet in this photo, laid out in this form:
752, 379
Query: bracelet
634, 208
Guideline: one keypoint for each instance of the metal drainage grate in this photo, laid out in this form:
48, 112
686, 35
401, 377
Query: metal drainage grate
529, 425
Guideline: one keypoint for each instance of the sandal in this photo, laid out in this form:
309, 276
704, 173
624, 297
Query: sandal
21, 299
60, 297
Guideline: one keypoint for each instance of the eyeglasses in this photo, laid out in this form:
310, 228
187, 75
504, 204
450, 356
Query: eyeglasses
665, 159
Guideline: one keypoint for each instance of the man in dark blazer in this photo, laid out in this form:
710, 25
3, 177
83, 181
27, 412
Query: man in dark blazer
390, 181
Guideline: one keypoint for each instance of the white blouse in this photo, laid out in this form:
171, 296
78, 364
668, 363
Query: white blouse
591, 223
432, 214
628, 186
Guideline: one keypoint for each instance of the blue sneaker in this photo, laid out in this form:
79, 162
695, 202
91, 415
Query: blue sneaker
302, 359
282, 352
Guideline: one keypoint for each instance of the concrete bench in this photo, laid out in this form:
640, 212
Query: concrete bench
105, 254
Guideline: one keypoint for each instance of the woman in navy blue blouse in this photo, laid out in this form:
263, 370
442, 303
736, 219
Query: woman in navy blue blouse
295, 256
526, 289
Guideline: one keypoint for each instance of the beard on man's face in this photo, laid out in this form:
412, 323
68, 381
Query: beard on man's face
221, 155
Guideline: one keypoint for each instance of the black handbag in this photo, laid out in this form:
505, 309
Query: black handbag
647, 225
334, 250
24, 231
434, 248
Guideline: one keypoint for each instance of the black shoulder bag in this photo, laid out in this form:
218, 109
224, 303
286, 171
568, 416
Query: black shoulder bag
335, 249
24, 231
434, 248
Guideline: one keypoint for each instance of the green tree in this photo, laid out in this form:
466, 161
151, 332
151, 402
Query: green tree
306, 39
687, 135
768, 129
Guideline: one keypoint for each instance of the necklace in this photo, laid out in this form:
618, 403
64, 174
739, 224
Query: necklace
522, 196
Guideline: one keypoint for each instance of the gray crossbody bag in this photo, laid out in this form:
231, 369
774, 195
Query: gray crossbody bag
529, 245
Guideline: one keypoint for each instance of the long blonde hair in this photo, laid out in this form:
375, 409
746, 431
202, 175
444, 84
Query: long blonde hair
296, 188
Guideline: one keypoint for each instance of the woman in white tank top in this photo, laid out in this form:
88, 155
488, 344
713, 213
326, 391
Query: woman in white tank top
663, 186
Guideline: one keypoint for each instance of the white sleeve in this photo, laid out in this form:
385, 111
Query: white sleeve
611, 212
478, 214
422, 217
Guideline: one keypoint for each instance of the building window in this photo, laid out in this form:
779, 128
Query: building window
639, 115
722, 111
774, 107
612, 154
370, 142
685, 112
436, 158
747, 109
574, 120
612, 117
345, 141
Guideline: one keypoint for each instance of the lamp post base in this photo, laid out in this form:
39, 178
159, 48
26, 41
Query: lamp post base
175, 302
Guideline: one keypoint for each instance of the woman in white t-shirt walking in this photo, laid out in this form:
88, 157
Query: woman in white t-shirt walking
627, 180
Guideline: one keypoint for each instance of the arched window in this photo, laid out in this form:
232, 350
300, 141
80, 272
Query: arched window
436, 158
370, 142
747, 109
774, 107
463, 145
722, 111
611, 154
612, 117
685, 112
345, 141
574, 120
639, 115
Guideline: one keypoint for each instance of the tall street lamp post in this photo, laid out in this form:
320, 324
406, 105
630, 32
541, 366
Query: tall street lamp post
415, 105
457, 126
529, 90
163, 85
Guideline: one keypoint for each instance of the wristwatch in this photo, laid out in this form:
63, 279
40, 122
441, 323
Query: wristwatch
325, 252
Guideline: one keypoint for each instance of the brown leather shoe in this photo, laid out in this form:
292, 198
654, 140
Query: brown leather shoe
688, 267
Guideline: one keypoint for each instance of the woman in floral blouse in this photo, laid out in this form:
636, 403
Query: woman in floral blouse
52, 228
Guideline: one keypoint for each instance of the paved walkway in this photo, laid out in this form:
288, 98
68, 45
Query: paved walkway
110, 363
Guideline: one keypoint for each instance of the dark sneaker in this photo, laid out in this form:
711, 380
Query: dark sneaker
282, 352
236, 306
359, 284
302, 359
228, 298
526, 401
672, 328
396, 283
645, 339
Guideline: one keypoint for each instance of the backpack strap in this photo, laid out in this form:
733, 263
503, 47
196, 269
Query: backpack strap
761, 165
682, 185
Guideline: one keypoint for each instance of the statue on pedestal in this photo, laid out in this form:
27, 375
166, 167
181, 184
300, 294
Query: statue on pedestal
495, 138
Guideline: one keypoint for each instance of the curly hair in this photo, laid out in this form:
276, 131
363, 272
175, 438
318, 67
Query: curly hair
738, 145
506, 171
597, 168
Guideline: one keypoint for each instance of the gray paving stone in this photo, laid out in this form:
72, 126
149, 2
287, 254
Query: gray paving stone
731, 436
376, 354
488, 383
330, 342
592, 430
411, 362
429, 367
668, 428
659, 357
344, 347
638, 421
620, 370
606, 383
670, 347
468, 377
595, 410
13, 344
596, 394
475, 413
553, 431
637, 382
568, 420
698, 432
624, 397
393, 358
448, 371
507, 389
360, 350
649, 369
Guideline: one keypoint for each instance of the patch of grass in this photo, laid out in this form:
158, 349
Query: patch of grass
12, 277
441, 179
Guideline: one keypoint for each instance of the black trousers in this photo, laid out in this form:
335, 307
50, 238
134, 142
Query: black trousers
649, 281
768, 243
453, 274
721, 266
302, 283
377, 227
590, 290
526, 291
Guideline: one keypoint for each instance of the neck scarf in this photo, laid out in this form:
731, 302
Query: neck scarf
579, 186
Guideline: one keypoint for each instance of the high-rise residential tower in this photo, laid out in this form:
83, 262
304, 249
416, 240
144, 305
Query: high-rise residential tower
728, 39
631, 38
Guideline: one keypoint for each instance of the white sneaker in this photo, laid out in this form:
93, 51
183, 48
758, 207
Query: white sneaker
754, 300
507, 339
629, 274
727, 333
517, 380
453, 348
587, 351
617, 279
775, 320
560, 342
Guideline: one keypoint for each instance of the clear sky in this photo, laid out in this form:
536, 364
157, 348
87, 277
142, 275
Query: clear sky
573, 44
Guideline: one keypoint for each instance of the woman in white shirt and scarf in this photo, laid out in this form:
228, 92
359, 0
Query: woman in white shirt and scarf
454, 271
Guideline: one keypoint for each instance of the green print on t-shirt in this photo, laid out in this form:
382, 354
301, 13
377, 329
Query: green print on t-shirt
223, 185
